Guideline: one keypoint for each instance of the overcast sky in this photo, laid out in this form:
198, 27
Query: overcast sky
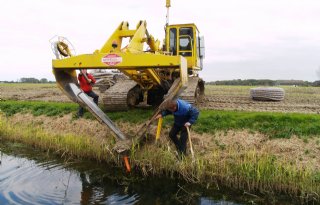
244, 39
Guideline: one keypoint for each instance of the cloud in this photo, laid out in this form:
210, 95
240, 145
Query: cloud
244, 39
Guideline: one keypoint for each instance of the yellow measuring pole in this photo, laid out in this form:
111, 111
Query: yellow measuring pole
159, 128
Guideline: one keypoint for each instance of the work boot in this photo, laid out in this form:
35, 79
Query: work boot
80, 112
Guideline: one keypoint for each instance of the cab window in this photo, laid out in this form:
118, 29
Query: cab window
173, 41
185, 41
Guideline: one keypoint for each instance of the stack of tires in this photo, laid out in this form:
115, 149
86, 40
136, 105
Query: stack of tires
267, 94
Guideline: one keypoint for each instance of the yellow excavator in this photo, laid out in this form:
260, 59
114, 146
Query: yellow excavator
153, 74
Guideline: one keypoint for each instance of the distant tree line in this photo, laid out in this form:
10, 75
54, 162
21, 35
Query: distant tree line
250, 82
34, 80
29, 80
264, 82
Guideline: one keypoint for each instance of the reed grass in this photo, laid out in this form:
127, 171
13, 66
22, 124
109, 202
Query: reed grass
251, 171
78, 146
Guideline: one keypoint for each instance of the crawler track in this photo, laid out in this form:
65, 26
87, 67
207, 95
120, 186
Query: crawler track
115, 98
192, 93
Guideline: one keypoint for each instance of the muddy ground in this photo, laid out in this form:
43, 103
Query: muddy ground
297, 99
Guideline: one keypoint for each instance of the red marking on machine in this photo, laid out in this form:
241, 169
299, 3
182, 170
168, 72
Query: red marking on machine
112, 59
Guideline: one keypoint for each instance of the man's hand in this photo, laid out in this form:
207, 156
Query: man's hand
90, 81
187, 124
158, 116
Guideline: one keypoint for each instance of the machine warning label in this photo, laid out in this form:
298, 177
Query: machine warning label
112, 59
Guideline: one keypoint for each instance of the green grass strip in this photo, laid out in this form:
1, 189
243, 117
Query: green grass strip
37, 108
11, 107
274, 125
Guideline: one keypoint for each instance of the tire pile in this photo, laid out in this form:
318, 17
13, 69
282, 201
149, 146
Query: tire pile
267, 94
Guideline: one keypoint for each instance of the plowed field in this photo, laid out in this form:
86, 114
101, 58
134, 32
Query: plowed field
297, 99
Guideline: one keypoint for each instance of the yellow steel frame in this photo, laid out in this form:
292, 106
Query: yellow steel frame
134, 62
139, 65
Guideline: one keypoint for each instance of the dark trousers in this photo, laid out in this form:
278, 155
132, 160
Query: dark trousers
95, 100
181, 143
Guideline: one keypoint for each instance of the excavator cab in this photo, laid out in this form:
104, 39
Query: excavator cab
184, 40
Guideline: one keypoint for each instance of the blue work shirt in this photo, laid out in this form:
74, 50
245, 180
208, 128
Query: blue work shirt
184, 113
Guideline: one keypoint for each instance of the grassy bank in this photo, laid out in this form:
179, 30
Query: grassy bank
274, 125
246, 168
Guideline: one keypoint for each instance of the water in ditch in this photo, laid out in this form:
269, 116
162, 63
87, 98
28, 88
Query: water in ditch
30, 176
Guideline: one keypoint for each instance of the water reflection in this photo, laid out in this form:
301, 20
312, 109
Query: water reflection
94, 192
33, 177
24, 181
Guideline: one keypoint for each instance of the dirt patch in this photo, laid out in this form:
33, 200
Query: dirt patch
32, 92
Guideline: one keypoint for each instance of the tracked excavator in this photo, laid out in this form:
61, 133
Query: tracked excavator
153, 75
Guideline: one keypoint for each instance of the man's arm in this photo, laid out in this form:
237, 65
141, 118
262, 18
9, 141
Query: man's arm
194, 113
163, 113
93, 80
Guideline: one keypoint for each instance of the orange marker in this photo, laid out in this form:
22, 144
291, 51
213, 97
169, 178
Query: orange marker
126, 163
